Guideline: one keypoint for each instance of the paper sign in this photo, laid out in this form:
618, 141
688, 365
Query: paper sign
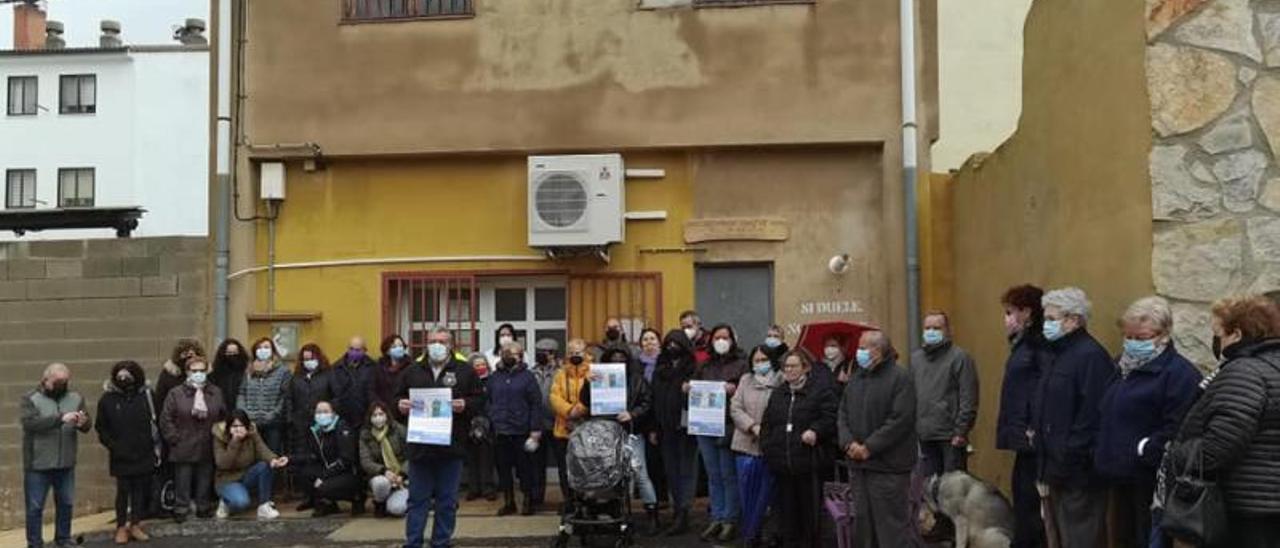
431, 416
707, 402
609, 393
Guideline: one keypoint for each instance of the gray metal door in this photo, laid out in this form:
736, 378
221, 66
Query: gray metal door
740, 295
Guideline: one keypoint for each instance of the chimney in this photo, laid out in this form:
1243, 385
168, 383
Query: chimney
53, 35
110, 35
192, 33
28, 26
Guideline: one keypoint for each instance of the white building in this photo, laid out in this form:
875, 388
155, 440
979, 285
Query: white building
107, 127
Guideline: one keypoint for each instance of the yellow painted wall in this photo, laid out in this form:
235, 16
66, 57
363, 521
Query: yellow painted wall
443, 207
1066, 200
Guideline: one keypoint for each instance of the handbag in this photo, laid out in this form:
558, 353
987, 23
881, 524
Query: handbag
1194, 508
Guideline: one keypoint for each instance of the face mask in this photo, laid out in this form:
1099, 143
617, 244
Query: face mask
397, 352
543, 359
263, 354
124, 380
1139, 349
197, 378
311, 365
762, 367
864, 358
1052, 329
509, 361
504, 340
324, 420
721, 346
575, 360
613, 333
691, 333
57, 390
772, 342
438, 352
832, 353
378, 421
355, 355
933, 336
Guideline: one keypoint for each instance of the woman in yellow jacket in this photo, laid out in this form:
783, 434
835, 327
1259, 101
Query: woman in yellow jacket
566, 392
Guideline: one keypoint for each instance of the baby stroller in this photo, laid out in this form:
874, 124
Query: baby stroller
599, 462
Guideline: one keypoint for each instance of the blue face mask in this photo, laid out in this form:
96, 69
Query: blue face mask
397, 352
263, 354
325, 420
1141, 350
933, 336
772, 342
1052, 329
762, 368
864, 358
198, 378
438, 352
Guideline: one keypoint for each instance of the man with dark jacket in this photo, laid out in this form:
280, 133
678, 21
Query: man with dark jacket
1023, 321
435, 471
352, 378
946, 383
52, 418
1068, 416
877, 422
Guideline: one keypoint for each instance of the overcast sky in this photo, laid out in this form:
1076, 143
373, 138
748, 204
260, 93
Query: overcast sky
141, 21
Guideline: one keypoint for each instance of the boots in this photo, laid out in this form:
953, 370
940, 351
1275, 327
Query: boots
136, 532
508, 503
379, 510
655, 524
679, 524
529, 507
122, 535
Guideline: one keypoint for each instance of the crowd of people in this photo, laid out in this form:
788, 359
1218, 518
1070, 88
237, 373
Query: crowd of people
1092, 432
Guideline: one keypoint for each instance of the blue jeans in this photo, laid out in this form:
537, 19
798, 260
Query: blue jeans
236, 493
36, 484
722, 478
432, 481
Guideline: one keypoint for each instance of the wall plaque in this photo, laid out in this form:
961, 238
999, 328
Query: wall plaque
735, 228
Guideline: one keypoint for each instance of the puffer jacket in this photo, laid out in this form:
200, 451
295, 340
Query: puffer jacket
747, 409
47, 442
371, 449
675, 367
515, 401
263, 395
171, 376
1237, 423
305, 390
352, 381
126, 426
233, 458
327, 455
811, 407
566, 391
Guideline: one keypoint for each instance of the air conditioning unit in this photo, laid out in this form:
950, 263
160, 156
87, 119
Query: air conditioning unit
576, 201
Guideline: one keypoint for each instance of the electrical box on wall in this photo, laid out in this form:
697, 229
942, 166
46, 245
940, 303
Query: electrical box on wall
271, 181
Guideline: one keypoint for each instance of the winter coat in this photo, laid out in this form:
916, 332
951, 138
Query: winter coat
670, 402
47, 442
305, 390
514, 401
878, 410
788, 415
566, 391
1237, 423
385, 384
1017, 393
461, 379
1142, 412
1069, 400
171, 376
545, 377
264, 396
748, 407
228, 375
946, 382
351, 389
127, 427
233, 458
190, 438
371, 450
825, 375
639, 398
326, 455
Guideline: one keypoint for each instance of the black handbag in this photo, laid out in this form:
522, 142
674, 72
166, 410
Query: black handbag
1194, 509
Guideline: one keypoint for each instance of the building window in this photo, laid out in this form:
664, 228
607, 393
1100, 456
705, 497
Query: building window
20, 189
22, 95
415, 303
736, 3
389, 10
75, 187
79, 94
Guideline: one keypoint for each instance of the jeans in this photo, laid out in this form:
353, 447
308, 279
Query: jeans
131, 498
722, 478
638, 464
433, 481
184, 475
941, 457
273, 436
235, 494
680, 457
36, 485
396, 498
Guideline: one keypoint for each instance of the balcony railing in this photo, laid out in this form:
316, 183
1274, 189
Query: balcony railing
392, 10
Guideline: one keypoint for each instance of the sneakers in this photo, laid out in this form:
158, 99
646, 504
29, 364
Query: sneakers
267, 511
122, 535
728, 532
136, 532
223, 512
712, 531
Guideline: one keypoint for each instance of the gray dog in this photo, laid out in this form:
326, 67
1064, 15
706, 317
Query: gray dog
982, 516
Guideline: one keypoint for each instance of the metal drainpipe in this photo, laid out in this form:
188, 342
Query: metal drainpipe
224, 179
907, 30
272, 212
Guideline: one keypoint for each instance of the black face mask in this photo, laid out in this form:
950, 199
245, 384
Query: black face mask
125, 383
1217, 347
508, 361
575, 360
57, 390
613, 333
543, 359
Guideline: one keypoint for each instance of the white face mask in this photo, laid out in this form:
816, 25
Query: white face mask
691, 333
378, 421
311, 365
504, 340
721, 346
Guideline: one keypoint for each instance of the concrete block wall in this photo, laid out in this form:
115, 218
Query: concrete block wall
89, 304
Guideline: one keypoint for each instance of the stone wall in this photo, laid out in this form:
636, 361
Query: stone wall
1213, 75
89, 304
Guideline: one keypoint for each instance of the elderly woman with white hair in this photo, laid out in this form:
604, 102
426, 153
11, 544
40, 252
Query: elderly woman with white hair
1076, 374
1141, 412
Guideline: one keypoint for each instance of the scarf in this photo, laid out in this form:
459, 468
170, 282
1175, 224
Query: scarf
799, 385
650, 363
260, 369
200, 409
1128, 364
388, 453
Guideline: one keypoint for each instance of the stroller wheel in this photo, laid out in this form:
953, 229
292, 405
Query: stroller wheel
624, 542
560, 542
